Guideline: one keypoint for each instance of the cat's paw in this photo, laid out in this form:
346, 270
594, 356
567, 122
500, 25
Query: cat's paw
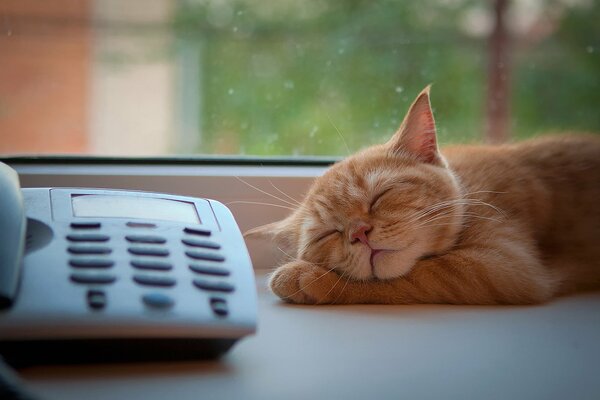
305, 283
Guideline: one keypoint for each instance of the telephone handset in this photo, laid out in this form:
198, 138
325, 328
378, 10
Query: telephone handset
111, 275
12, 234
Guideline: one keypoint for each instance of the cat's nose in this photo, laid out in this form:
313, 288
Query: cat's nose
359, 231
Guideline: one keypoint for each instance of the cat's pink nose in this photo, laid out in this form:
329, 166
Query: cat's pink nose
358, 232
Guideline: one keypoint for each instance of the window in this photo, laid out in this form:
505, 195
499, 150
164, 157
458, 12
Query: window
288, 78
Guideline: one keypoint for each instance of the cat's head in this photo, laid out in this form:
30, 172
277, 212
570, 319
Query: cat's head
374, 214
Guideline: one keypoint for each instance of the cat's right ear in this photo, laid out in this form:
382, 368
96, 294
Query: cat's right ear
280, 232
417, 134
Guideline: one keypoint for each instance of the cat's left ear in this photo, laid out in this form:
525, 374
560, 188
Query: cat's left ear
417, 134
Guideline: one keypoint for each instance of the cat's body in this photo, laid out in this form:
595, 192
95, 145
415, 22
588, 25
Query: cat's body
403, 223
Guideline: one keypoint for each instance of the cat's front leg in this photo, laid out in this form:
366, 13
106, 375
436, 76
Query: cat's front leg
507, 275
302, 282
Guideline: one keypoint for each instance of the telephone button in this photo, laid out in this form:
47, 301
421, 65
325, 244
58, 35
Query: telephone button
197, 231
157, 300
152, 265
81, 277
85, 225
91, 262
146, 239
154, 280
209, 270
132, 224
96, 299
88, 249
219, 306
213, 286
148, 251
87, 237
199, 255
201, 243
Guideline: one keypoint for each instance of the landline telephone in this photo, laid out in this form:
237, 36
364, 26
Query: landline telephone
111, 275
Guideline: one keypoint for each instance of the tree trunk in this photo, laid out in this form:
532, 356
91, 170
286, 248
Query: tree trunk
498, 85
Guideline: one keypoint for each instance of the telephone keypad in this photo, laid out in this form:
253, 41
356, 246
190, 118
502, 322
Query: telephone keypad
149, 253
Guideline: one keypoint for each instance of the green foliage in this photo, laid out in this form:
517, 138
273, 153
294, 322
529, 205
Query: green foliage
288, 77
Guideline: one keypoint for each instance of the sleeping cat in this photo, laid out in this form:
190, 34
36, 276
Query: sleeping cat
403, 223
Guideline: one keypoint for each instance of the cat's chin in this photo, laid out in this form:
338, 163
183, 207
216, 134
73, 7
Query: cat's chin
390, 264
386, 265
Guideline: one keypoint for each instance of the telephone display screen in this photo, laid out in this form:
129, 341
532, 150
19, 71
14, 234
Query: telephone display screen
109, 206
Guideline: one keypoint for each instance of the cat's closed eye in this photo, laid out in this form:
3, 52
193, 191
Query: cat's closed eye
326, 235
376, 200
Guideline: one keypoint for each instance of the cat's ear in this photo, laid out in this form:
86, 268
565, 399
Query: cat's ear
417, 134
282, 233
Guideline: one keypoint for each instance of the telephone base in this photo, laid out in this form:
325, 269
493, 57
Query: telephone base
33, 352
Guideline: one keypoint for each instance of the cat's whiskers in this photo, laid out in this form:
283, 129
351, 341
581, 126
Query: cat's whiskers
343, 288
339, 133
450, 203
267, 193
283, 193
334, 285
309, 283
259, 203
426, 223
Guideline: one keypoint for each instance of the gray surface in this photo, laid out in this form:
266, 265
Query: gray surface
366, 352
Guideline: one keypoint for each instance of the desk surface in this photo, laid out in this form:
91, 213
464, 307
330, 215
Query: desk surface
366, 352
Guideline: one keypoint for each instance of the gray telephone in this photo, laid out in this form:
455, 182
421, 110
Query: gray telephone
110, 275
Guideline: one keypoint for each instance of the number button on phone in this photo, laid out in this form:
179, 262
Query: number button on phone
96, 299
146, 239
219, 306
92, 278
213, 286
88, 249
87, 237
157, 300
197, 231
193, 242
91, 262
209, 270
154, 265
154, 280
148, 251
85, 225
199, 255
133, 224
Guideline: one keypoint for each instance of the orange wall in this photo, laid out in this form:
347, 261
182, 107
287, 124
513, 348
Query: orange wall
45, 53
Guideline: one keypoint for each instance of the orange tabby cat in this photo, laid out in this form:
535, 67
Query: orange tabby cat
403, 223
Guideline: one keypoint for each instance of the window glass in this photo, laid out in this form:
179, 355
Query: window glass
286, 77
